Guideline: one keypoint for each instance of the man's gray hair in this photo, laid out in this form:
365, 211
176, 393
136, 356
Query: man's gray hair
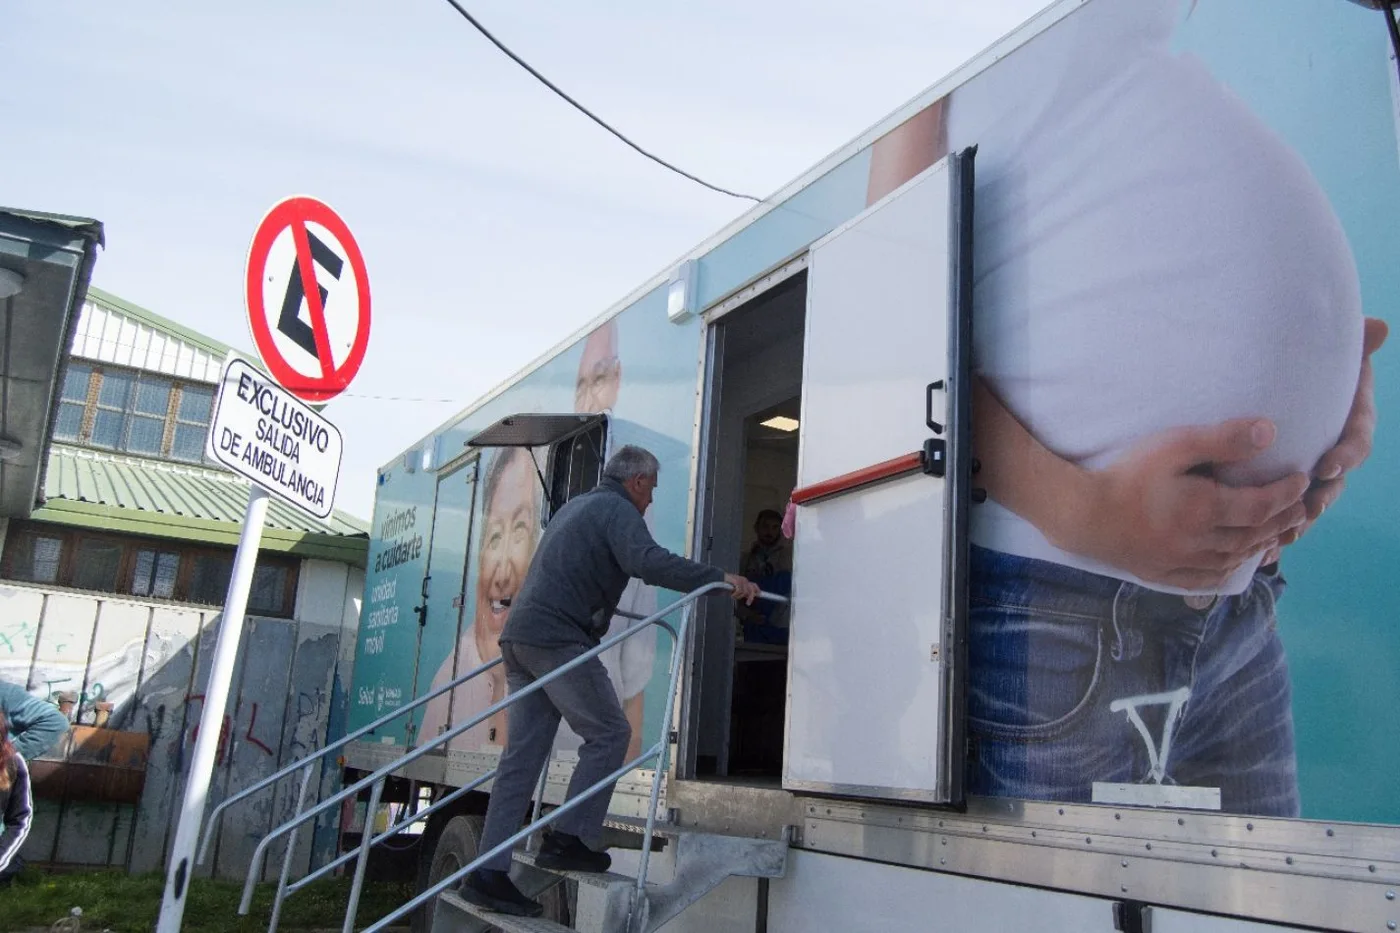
630, 461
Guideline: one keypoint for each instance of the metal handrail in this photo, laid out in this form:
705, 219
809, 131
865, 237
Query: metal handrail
657, 618
658, 750
510, 843
393, 830
307, 760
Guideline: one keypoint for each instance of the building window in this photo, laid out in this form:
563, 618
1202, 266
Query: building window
113, 395
33, 558
191, 423
133, 412
145, 423
211, 572
271, 586
155, 573
209, 576
73, 404
132, 566
97, 564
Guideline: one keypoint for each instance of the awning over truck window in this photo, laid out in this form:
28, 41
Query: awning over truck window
534, 430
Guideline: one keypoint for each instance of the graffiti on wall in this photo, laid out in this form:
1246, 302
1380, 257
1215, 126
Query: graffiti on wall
141, 668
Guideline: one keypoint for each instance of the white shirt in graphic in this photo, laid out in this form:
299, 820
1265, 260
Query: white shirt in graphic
465, 700
1148, 254
629, 664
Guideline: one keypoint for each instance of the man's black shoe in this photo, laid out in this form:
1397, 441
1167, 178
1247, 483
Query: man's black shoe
494, 891
563, 852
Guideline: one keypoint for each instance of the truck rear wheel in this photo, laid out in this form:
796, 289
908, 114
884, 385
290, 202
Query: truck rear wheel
456, 845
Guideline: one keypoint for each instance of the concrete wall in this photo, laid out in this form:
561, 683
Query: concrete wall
150, 660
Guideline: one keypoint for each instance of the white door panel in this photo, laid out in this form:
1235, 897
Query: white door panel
870, 699
877, 332
866, 692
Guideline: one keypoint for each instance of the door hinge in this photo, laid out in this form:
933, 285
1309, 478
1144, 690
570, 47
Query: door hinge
1132, 917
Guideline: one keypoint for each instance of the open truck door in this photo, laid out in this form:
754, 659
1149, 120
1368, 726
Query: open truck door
876, 656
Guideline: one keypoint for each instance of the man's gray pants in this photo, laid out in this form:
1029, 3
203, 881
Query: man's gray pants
586, 700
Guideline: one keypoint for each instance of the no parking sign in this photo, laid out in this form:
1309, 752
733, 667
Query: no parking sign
308, 309
308, 299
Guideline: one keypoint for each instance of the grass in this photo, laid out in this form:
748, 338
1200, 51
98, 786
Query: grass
123, 903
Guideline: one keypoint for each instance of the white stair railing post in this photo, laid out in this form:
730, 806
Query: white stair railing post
659, 774
291, 846
366, 842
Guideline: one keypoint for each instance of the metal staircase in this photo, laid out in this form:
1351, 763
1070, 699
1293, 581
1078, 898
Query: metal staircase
607, 903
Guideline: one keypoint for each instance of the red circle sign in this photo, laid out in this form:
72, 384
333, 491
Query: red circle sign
308, 299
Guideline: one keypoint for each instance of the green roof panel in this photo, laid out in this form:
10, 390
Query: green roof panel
165, 499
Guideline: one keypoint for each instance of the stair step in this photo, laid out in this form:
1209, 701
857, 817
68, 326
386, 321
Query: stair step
625, 832
505, 922
593, 879
603, 900
638, 825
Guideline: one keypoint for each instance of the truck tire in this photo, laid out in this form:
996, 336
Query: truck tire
444, 852
456, 845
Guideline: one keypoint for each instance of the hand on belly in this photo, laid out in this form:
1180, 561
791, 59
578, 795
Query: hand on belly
1154, 513
1189, 506
1351, 450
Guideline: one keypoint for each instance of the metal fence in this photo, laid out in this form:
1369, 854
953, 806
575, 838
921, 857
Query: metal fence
130, 674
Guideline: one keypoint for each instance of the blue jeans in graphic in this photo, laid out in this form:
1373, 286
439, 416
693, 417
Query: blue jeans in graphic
1050, 650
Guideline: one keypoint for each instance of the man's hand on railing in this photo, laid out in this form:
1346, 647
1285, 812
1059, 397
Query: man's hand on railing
745, 590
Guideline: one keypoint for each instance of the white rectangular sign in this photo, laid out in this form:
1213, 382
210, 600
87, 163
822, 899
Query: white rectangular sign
263, 432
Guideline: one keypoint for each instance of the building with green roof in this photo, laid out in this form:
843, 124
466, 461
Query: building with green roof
111, 583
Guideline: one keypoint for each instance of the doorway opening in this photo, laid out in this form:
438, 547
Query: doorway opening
737, 710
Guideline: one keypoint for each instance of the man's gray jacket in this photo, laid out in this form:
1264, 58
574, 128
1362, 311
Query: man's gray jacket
591, 548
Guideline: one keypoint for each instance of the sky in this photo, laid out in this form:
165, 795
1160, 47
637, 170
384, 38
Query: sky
493, 218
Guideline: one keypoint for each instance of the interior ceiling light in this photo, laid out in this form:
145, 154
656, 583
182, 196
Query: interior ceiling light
781, 422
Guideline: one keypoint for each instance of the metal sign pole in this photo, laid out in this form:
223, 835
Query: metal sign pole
172, 907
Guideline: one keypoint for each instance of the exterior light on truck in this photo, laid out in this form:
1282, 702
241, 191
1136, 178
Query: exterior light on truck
681, 294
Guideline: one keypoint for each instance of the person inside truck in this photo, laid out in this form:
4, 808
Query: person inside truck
1172, 379
510, 528
591, 547
768, 562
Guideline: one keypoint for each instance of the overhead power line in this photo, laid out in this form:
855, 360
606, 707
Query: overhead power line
590, 114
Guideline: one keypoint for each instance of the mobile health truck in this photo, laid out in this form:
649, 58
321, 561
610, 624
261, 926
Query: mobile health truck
1070, 374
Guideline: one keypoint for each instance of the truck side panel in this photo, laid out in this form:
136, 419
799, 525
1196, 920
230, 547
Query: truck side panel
640, 368
1314, 91
828, 892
